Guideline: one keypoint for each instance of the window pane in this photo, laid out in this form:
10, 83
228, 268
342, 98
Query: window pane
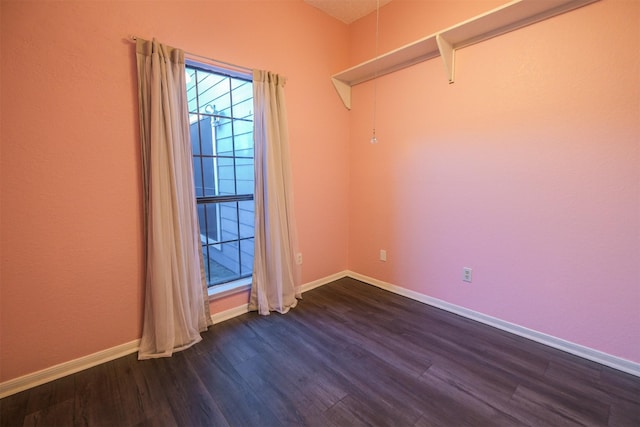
197, 177
224, 137
246, 218
243, 109
208, 221
217, 100
202, 222
206, 136
192, 100
243, 134
244, 176
229, 221
224, 262
226, 176
242, 95
209, 175
211, 210
213, 93
194, 134
221, 131
205, 257
236, 83
246, 249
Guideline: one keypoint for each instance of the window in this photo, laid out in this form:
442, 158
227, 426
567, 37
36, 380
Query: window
221, 126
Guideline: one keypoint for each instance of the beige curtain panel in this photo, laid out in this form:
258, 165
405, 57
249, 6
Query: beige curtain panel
275, 273
176, 307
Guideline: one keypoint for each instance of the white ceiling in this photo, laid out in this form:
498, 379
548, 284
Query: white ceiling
347, 10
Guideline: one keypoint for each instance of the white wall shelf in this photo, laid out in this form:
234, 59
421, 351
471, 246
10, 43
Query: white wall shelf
509, 17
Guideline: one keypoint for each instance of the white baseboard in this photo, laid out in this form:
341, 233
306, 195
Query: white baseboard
242, 309
34, 379
325, 280
606, 359
230, 313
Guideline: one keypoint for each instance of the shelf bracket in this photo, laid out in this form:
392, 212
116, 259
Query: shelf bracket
511, 16
448, 53
344, 90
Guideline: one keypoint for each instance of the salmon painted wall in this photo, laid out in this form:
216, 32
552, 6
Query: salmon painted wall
526, 169
72, 253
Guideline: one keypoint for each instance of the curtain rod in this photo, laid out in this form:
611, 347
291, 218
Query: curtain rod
133, 38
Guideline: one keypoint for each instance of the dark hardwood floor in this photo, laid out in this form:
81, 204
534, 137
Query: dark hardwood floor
350, 354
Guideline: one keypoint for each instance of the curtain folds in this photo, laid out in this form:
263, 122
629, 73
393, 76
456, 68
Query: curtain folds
276, 275
176, 307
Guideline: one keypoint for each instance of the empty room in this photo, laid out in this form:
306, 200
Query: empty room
320, 212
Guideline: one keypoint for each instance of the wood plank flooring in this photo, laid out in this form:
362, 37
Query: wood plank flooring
350, 354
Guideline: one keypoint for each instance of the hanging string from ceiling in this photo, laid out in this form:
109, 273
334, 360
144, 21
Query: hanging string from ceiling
374, 139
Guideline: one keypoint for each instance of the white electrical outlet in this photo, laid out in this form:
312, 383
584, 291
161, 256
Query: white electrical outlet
466, 274
383, 255
299, 258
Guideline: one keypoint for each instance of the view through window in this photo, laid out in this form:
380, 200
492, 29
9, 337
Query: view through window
221, 126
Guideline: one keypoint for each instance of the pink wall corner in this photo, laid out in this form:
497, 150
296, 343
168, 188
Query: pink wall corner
72, 252
526, 169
